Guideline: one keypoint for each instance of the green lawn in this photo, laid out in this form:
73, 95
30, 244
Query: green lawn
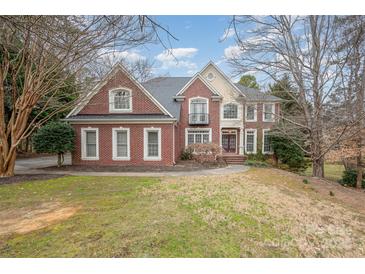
332, 172
259, 213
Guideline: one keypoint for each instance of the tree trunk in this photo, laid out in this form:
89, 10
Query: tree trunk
7, 169
60, 159
318, 167
359, 172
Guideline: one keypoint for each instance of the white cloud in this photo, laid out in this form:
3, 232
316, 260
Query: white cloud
231, 52
178, 58
227, 34
129, 56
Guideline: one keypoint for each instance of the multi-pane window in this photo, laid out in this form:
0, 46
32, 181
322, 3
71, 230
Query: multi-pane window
152, 144
250, 141
250, 112
198, 110
230, 111
120, 100
268, 112
89, 143
266, 144
198, 136
121, 144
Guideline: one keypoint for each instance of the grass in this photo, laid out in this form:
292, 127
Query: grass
332, 172
260, 213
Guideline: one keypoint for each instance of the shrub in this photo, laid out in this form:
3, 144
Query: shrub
289, 153
305, 181
349, 178
55, 137
204, 153
257, 157
187, 154
256, 163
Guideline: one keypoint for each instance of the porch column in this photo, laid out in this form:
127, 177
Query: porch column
242, 135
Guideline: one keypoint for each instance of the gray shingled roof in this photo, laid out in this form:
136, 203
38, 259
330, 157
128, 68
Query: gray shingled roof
117, 117
164, 89
253, 94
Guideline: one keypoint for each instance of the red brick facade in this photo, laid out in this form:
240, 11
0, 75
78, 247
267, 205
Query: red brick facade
173, 133
141, 104
198, 89
136, 145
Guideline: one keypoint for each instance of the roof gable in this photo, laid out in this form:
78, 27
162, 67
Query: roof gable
201, 78
118, 68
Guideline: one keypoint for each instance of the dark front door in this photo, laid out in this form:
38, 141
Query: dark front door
229, 143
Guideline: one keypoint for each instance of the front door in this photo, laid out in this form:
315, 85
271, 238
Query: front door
229, 143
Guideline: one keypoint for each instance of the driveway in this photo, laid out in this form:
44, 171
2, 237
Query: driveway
35, 165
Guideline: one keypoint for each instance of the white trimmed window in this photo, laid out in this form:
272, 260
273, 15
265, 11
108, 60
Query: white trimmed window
120, 100
268, 112
198, 110
251, 113
198, 136
152, 144
266, 144
90, 144
230, 111
121, 144
251, 141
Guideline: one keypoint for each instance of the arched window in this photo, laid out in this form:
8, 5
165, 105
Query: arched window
120, 100
230, 111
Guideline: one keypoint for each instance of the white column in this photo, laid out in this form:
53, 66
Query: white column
242, 135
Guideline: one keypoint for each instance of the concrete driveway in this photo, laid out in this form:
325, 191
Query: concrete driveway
30, 165
33, 165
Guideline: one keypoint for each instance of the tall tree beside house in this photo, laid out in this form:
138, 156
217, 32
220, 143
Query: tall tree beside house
249, 81
40, 53
304, 47
55, 137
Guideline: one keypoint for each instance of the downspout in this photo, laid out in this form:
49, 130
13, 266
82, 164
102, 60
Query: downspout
173, 144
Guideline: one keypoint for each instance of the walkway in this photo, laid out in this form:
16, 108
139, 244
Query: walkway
32, 165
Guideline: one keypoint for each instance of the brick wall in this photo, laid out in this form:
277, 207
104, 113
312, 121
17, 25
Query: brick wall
136, 144
99, 103
198, 88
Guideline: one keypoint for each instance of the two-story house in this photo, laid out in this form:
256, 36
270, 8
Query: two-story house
124, 122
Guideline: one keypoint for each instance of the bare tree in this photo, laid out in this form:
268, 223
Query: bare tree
305, 49
38, 54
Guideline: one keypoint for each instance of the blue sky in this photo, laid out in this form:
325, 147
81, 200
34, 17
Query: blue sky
199, 41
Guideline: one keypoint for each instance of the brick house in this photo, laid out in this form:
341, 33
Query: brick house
124, 122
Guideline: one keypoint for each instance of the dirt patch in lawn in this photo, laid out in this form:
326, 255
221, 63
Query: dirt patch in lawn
180, 166
27, 177
22, 221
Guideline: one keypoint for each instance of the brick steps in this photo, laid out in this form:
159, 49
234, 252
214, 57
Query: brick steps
234, 159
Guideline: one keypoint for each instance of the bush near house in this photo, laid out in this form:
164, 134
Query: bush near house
349, 178
289, 153
202, 153
55, 137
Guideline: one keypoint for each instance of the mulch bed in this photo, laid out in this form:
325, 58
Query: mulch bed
29, 177
180, 166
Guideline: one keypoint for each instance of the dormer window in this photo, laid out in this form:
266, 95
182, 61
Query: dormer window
120, 100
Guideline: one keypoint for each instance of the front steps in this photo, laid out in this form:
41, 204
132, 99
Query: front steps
234, 159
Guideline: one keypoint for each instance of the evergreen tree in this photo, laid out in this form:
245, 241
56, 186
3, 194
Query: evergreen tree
55, 137
249, 81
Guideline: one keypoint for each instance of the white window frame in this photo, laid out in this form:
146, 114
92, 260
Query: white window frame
114, 143
209, 130
83, 144
238, 111
145, 144
263, 145
111, 100
254, 115
254, 141
203, 98
272, 114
